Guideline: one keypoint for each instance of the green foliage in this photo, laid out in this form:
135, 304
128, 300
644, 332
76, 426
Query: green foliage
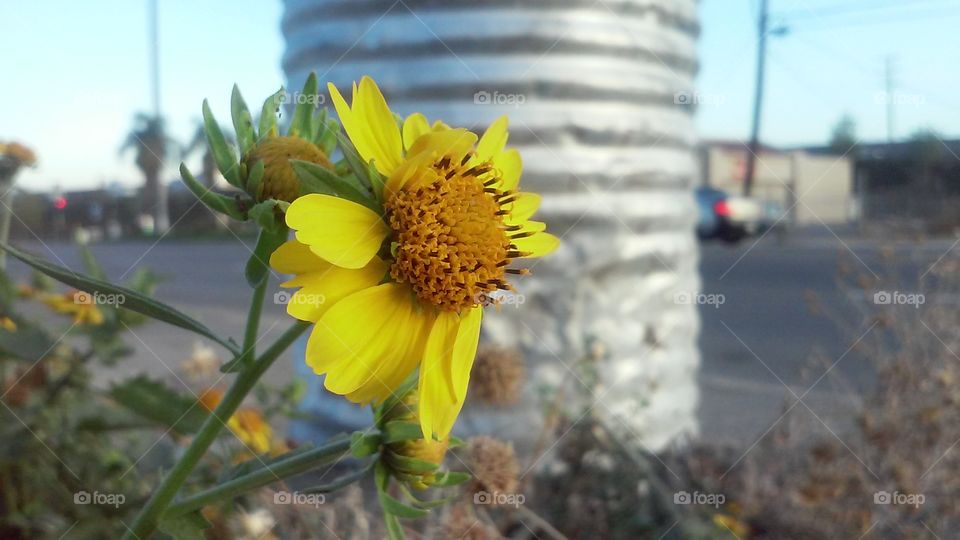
318, 179
156, 402
133, 300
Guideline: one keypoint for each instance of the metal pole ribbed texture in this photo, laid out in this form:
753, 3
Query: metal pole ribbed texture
591, 90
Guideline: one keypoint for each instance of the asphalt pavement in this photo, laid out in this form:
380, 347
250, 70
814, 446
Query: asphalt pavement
761, 347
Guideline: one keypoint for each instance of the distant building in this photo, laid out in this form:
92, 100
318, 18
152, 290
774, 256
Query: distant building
812, 188
911, 184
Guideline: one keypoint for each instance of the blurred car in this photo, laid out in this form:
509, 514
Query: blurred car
728, 217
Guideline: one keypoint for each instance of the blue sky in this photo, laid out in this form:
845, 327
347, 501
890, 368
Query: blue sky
74, 75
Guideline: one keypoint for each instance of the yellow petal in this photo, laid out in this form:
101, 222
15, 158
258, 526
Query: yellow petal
341, 232
359, 333
436, 357
386, 147
525, 205
447, 142
413, 127
510, 166
293, 257
355, 128
448, 359
532, 227
415, 167
370, 125
538, 245
327, 285
389, 376
468, 336
493, 140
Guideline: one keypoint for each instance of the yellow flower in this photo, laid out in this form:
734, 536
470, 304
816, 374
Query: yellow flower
8, 324
405, 287
78, 304
253, 431
19, 152
248, 424
280, 181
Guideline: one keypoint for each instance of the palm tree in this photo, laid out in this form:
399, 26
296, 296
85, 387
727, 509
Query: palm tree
152, 146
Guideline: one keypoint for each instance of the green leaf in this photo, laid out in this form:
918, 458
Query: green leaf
394, 529
223, 153
301, 123
399, 508
156, 402
268, 115
185, 527
316, 178
342, 481
265, 214
263, 462
396, 431
132, 300
258, 266
435, 503
364, 445
359, 167
327, 130
90, 263
409, 464
450, 478
255, 178
392, 508
214, 201
242, 121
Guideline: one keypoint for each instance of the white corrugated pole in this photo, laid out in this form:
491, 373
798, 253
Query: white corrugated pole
595, 93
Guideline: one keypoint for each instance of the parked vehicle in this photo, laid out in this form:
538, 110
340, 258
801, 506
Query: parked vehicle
728, 217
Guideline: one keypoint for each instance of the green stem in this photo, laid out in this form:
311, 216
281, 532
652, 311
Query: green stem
268, 474
6, 210
146, 521
253, 322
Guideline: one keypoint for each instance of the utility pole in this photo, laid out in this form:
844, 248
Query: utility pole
891, 98
757, 99
154, 46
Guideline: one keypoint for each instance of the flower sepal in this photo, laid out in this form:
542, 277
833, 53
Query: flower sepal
260, 164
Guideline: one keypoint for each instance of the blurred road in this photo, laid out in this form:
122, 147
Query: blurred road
757, 342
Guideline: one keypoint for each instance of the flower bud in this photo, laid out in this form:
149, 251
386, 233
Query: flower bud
280, 180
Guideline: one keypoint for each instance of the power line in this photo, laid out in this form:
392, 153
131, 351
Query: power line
850, 10
804, 24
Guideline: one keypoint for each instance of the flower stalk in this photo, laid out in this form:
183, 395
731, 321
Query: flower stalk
290, 466
146, 521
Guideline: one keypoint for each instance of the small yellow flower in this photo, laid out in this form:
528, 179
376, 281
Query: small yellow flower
78, 304
253, 431
18, 152
731, 524
25, 290
8, 324
280, 181
248, 424
404, 288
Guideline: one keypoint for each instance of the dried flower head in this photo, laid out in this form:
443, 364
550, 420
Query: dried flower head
462, 522
497, 376
493, 464
203, 362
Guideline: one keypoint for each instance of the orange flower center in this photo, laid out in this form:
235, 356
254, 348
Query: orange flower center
451, 244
